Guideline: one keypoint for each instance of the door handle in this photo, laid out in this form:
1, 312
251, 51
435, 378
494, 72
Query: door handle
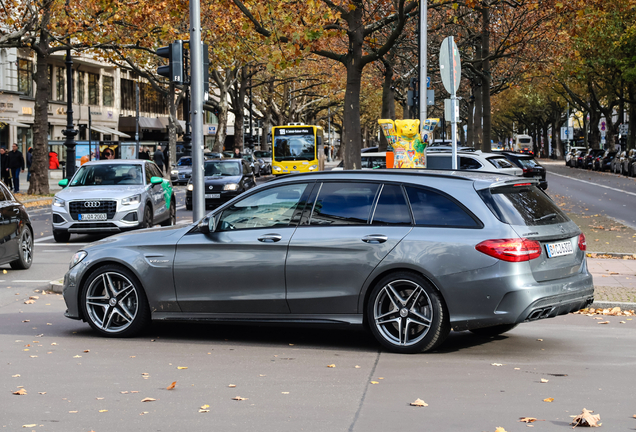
270, 238
375, 238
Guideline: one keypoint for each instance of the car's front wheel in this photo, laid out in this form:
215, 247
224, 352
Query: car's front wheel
406, 314
25, 249
114, 303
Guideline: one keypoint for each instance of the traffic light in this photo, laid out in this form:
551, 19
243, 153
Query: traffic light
174, 54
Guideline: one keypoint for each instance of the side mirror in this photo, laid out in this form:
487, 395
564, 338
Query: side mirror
156, 180
63, 182
207, 225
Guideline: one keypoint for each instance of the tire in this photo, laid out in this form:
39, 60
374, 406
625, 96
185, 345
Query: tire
114, 303
25, 249
172, 219
493, 330
147, 222
189, 205
61, 236
406, 314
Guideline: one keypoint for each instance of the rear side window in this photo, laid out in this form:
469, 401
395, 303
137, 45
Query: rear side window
500, 162
431, 208
344, 204
528, 163
392, 208
467, 163
525, 205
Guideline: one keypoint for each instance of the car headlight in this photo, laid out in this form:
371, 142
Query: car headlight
278, 169
58, 202
190, 187
313, 167
77, 258
231, 187
174, 172
135, 199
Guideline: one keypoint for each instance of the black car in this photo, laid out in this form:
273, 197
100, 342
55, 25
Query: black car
224, 180
16, 233
604, 162
530, 167
182, 172
588, 161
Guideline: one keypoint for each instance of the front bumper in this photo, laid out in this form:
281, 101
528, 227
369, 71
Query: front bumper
125, 218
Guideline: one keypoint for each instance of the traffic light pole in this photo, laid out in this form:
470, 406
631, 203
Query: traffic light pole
196, 109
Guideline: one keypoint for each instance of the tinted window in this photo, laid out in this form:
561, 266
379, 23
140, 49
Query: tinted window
528, 163
343, 204
434, 209
500, 162
525, 205
392, 208
468, 163
269, 208
222, 169
373, 162
108, 175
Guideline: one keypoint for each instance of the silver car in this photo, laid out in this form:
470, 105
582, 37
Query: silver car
410, 255
112, 196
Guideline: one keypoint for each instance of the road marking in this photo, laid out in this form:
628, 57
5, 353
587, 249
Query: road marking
62, 244
595, 184
41, 239
30, 281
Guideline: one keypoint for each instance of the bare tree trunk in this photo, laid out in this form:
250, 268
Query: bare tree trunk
172, 126
388, 99
470, 123
39, 183
485, 86
238, 93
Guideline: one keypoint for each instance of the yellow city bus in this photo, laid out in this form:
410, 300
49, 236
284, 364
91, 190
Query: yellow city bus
295, 148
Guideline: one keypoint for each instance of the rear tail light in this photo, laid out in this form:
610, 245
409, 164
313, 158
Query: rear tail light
512, 250
582, 243
526, 170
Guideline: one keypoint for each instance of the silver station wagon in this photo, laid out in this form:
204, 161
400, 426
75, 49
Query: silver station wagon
408, 254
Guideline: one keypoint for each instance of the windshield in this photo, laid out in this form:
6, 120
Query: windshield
525, 140
262, 154
222, 169
185, 162
296, 147
108, 175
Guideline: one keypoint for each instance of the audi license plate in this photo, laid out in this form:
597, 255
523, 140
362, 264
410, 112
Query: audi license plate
213, 196
559, 249
92, 217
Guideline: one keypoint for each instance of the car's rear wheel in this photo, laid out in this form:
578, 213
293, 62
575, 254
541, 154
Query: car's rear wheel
114, 303
172, 220
61, 236
147, 217
25, 249
493, 330
406, 314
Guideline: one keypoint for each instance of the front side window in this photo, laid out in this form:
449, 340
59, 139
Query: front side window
392, 208
273, 207
108, 91
93, 89
431, 208
60, 93
25, 76
343, 204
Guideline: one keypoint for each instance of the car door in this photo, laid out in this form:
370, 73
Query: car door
157, 196
240, 267
9, 225
340, 241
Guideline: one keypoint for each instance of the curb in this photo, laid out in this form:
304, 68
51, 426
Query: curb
609, 305
56, 286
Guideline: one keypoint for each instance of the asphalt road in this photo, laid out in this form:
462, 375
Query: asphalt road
77, 381
604, 193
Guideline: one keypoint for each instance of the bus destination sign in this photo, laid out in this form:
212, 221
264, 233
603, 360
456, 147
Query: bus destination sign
293, 131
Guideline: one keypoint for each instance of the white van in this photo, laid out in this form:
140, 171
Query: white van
523, 144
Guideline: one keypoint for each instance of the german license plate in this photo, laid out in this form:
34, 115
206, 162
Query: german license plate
92, 217
213, 196
559, 249
295, 172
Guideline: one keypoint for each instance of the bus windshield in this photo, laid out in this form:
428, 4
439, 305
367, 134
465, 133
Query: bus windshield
295, 147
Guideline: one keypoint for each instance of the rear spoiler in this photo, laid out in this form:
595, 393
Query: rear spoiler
519, 181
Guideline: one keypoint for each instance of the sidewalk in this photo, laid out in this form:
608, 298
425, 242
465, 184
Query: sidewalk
614, 281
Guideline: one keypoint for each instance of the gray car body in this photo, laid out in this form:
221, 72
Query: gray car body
326, 279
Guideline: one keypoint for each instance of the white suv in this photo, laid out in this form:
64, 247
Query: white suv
472, 160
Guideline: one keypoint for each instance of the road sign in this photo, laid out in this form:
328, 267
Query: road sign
602, 126
430, 97
567, 133
450, 64
428, 82
623, 129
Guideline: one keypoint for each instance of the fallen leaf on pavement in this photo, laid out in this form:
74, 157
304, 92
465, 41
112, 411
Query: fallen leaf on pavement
603, 322
33, 297
103, 410
527, 419
26, 321
331, 366
586, 418
238, 398
99, 398
124, 392
42, 393
543, 380
232, 385
182, 367
86, 351
548, 399
20, 392
285, 392
496, 364
171, 386
357, 367
375, 382
29, 302
29, 425
77, 356
15, 376
500, 429
148, 399
419, 403
73, 412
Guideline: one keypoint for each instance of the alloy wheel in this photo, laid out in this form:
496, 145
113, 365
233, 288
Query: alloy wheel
26, 247
112, 302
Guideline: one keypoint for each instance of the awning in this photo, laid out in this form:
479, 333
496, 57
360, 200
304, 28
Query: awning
128, 123
165, 121
109, 131
14, 123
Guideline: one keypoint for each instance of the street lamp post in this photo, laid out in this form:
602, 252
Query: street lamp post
70, 131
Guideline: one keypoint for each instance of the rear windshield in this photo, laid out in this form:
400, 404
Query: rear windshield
523, 205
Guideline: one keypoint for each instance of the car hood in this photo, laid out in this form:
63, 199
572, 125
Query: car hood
212, 180
184, 168
99, 192
159, 236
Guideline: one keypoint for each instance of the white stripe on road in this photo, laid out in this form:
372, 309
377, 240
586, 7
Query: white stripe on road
41, 239
30, 281
62, 244
592, 183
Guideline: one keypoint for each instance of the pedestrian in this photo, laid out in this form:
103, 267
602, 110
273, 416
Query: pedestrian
158, 158
54, 161
4, 167
143, 153
16, 166
29, 163
237, 153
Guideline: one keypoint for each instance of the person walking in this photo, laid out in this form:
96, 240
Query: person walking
16, 166
4, 167
143, 153
158, 158
29, 163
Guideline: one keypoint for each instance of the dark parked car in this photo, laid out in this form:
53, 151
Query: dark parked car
604, 162
224, 180
409, 255
530, 167
588, 161
181, 173
628, 161
16, 232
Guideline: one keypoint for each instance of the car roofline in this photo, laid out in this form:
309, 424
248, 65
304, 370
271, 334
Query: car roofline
437, 173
